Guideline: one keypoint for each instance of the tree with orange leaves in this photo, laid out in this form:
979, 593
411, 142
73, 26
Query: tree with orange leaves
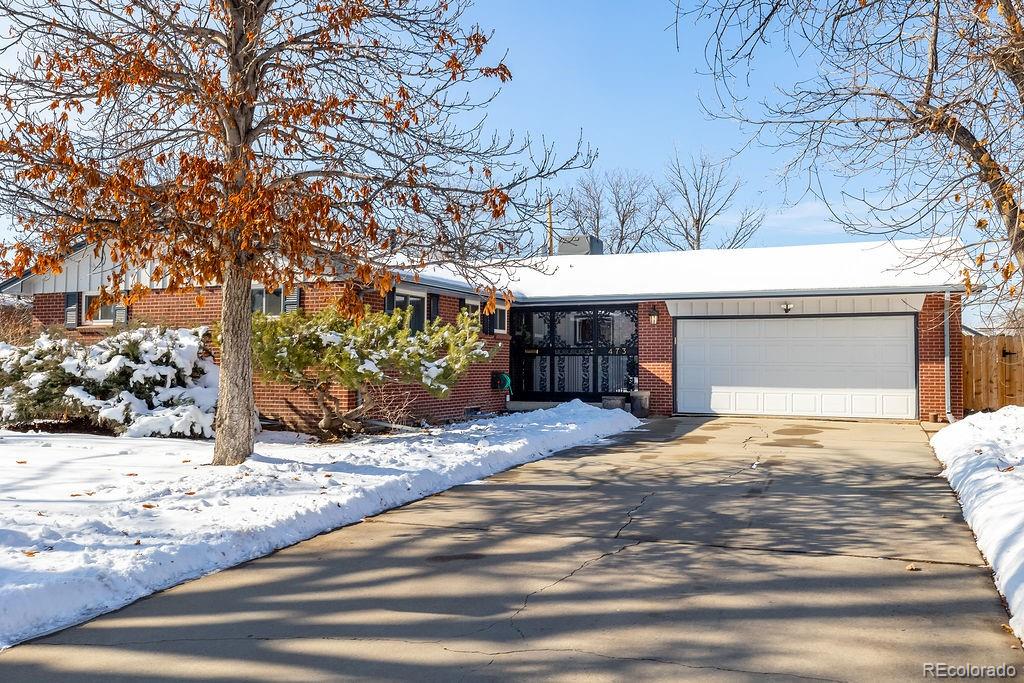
277, 141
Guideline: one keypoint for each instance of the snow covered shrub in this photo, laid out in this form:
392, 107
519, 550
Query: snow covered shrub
327, 349
139, 382
33, 383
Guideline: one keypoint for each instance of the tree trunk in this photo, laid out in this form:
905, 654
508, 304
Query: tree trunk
236, 408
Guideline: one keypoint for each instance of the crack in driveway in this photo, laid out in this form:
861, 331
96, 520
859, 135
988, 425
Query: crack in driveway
631, 512
581, 567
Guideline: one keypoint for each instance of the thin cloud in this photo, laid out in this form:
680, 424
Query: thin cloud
804, 218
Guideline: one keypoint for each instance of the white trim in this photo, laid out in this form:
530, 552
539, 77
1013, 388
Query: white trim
100, 322
504, 328
257, 286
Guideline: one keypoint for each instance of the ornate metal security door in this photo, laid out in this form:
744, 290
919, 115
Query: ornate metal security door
573, 352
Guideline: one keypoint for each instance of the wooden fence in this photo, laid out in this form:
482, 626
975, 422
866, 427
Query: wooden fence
993, 372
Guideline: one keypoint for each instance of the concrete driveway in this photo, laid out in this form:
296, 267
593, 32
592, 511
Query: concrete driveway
726, 549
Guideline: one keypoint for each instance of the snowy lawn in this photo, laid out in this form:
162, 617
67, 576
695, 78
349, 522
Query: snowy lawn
984, 459
91, 523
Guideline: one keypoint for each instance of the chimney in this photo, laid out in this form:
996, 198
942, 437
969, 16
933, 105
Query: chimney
580, 245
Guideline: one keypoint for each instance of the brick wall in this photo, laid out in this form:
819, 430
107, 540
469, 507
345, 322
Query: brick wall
181, 309
296, 408
47, 310
656, 356
931, 358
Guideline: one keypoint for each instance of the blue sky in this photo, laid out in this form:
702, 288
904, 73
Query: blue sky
612, 70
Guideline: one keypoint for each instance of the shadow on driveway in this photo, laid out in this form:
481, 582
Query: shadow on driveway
690, 549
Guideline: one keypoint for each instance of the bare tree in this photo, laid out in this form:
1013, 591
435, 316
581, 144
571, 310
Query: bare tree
621, 208
699, 192
277, 141
920, 103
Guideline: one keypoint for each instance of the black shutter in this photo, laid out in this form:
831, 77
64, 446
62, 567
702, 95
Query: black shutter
292, 300
487, 323
71, 310
433, 306
120, 314
389, 302
462, 303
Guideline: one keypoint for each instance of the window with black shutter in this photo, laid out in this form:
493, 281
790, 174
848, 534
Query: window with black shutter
487, 322
433, 306
417, 319
71, 310
292, 300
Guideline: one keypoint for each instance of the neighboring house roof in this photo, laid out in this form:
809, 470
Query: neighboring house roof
851, 268
12, 301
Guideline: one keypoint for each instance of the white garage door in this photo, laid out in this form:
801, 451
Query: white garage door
831, 366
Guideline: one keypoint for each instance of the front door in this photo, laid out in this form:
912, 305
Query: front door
573, 352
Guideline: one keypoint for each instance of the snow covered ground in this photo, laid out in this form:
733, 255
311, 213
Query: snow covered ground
91, 523
984, 459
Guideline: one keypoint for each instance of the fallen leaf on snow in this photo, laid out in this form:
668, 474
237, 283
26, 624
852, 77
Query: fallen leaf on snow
21, 462
138, 541
148, 506
913, 567
29, 553
131, 474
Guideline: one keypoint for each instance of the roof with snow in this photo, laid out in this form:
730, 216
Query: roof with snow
11, 301
898, 266
850, 268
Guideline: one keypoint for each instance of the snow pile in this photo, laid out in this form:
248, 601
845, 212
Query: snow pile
91, 523
11, 301
984, 463
142, 382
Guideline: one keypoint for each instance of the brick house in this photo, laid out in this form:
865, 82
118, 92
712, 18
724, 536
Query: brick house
844, 330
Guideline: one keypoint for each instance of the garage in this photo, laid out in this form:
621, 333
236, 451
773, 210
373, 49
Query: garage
826, 366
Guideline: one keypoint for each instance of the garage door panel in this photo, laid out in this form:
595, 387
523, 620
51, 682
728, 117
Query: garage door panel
720, 353
747, 375
834, 328
806, 404
895, 405
747, 401
721, 376
802, 327
721, 402
694, 352
775, 329
776, 402
693, 400
835, 404
739, 329
748, 353
693, 377
841, 367
694, 329
895, 353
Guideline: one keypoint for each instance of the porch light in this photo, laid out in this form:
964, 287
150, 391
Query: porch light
786, 307
653, 315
